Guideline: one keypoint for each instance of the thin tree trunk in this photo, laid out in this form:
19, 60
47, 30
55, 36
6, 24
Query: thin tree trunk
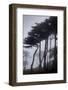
42, 57
55, 56
45, 52
40, 66
48, 64
45, 55
33, 59
55, 48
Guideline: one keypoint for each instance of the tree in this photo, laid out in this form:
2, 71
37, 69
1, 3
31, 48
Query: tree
41, 32
32, 42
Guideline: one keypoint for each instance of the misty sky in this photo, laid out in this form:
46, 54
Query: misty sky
28, 22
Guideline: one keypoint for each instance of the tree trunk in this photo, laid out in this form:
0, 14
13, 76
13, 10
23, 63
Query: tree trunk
40, 66
45, 52
50, 50
55, 56
45, 55
33, 59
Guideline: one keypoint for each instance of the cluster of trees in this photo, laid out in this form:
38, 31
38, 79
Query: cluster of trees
42, 31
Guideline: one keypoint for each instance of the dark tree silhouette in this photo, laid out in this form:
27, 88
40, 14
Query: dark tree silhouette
40, 32
32, 42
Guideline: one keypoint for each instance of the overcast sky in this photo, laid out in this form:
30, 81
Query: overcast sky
30, 20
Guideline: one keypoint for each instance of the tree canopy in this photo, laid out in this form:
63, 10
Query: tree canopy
41, 31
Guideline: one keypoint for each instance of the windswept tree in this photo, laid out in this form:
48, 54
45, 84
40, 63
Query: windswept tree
31, 41
38, 33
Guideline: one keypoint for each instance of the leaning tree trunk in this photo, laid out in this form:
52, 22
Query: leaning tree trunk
33, 59
40, 63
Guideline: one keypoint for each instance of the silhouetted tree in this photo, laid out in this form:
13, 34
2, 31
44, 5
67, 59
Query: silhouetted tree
31, 41
41, 32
